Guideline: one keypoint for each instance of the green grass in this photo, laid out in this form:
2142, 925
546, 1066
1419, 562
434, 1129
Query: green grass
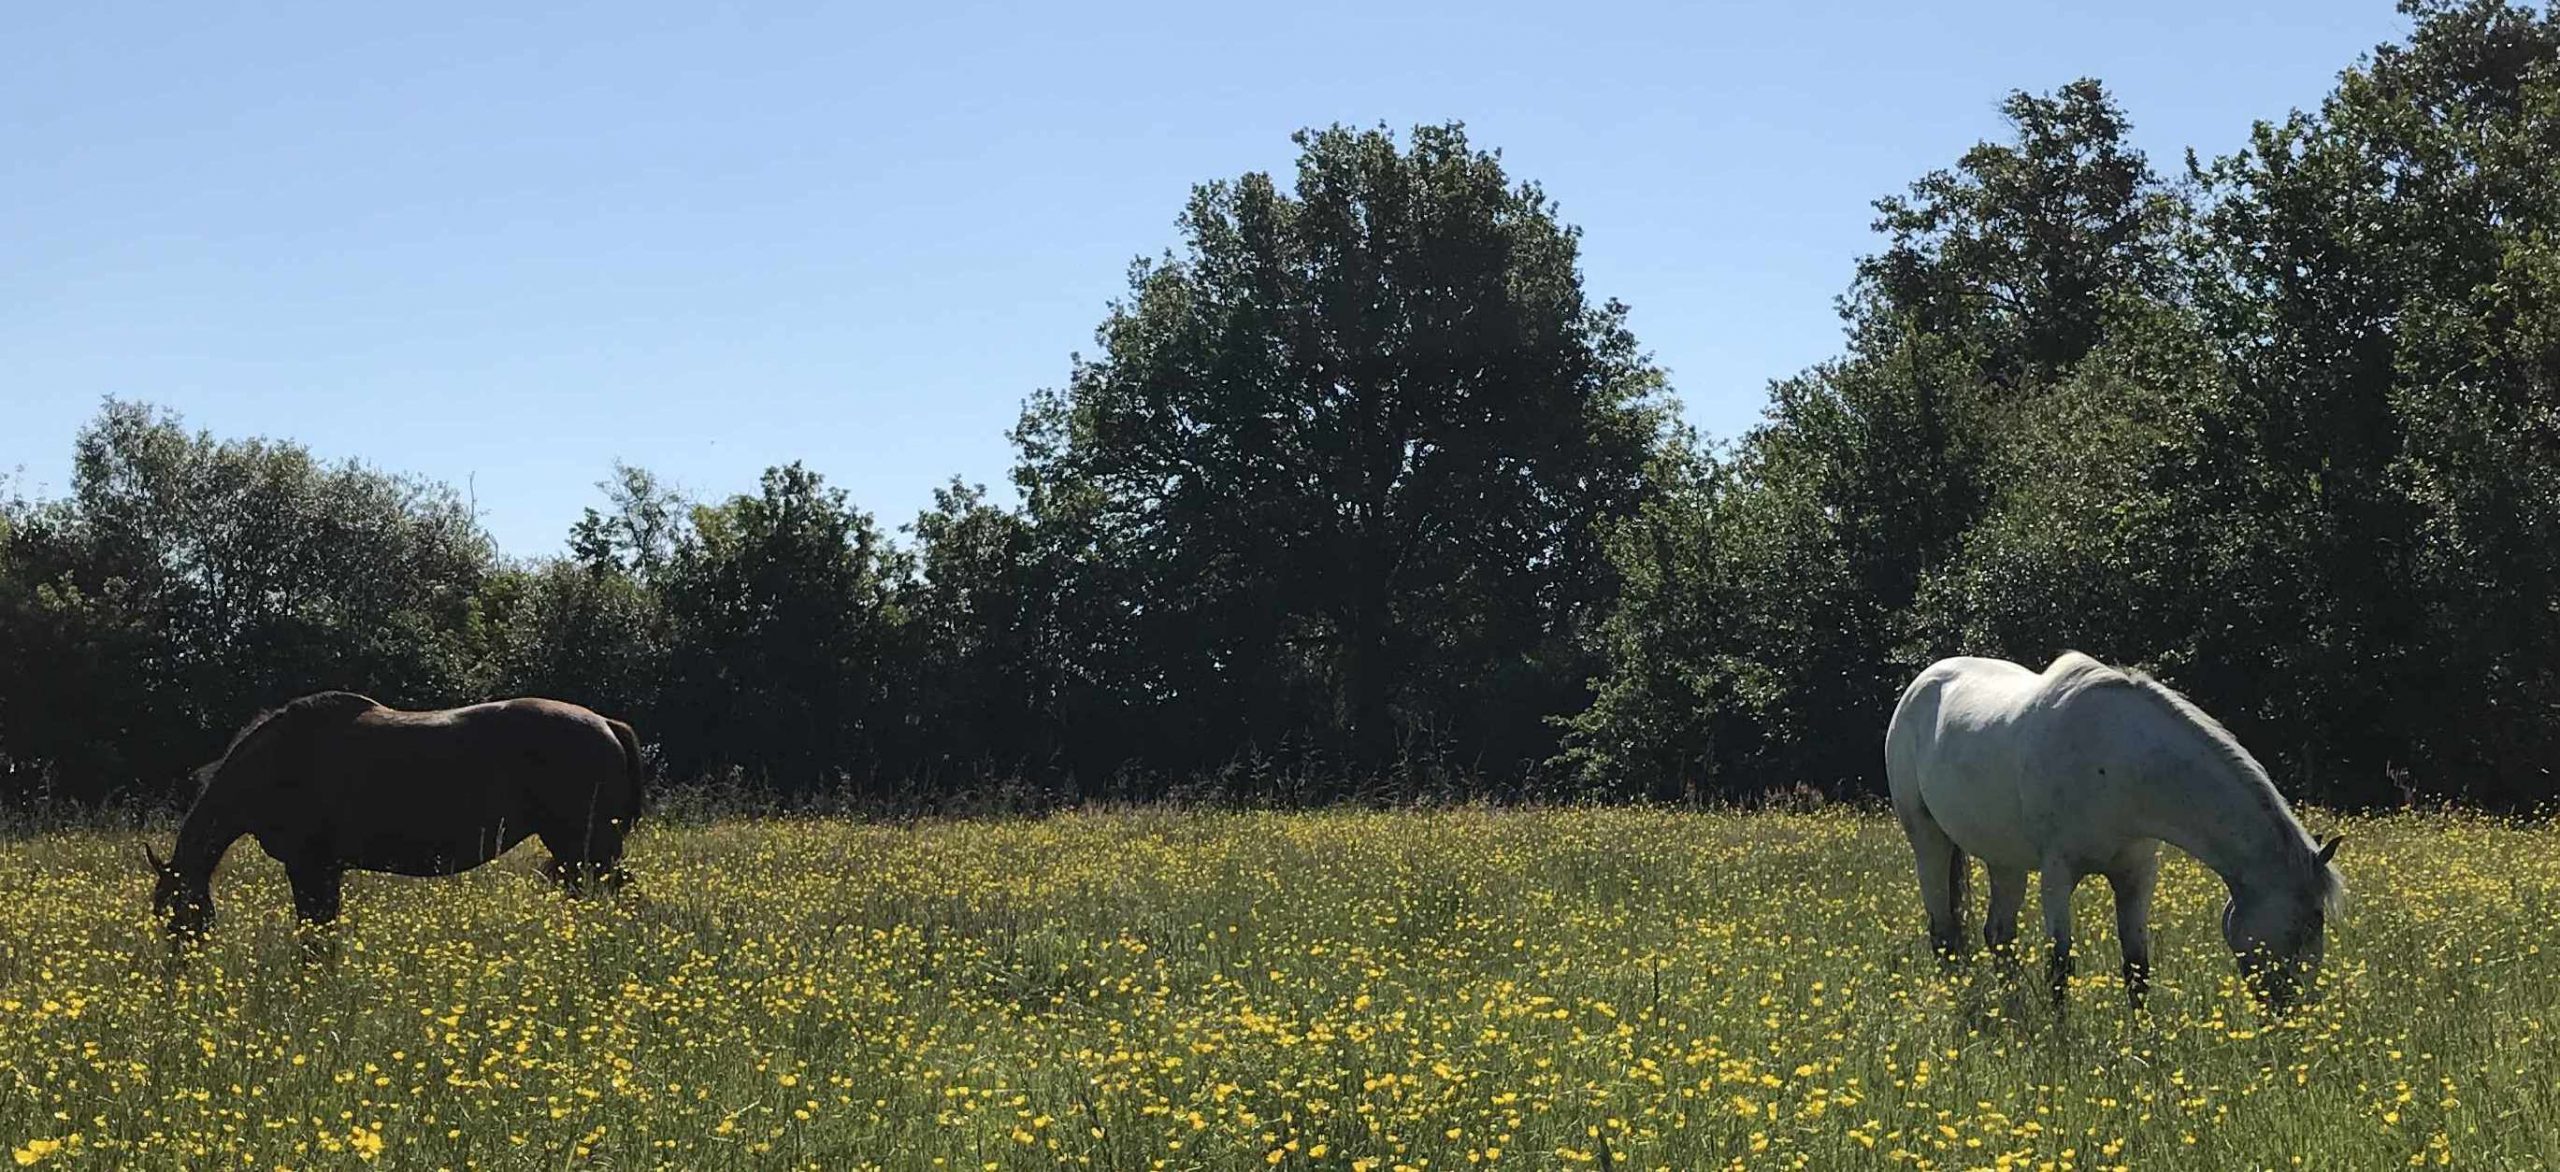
1187, 990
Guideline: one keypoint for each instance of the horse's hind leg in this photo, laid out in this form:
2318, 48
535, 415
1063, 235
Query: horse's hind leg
1943, 873
2133, 880
316, 890
2000, 923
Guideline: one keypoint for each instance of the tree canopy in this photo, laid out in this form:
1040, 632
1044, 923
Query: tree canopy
1339, 463
1362, 491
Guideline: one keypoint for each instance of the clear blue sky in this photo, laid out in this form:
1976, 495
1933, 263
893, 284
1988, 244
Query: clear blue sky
503, 248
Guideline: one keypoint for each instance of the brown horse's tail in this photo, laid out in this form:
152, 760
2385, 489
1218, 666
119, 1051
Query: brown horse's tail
639, 770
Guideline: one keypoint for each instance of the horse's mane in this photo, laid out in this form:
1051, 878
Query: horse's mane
317, 703
2075, 671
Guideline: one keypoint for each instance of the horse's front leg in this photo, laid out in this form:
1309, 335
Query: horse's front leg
2058, 880
317, 885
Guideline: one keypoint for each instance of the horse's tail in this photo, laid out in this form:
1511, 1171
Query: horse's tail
639, 771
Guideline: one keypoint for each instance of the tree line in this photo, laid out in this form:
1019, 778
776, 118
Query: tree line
1361, 492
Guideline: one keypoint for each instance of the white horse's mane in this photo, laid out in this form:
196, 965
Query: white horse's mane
2075, 671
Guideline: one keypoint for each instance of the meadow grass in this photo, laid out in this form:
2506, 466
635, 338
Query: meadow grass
1158, 989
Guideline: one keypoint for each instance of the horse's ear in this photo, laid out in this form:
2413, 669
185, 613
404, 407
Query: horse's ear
2329, 850
157, 866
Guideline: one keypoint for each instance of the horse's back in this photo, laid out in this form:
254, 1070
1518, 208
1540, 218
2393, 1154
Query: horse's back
520, 711
1955, 754
2017, 766
444, 776
1949, 699
511, 743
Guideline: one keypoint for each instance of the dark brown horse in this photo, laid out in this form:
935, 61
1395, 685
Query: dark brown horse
335, 782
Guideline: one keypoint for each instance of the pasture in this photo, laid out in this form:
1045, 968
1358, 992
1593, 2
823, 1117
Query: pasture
1156, 989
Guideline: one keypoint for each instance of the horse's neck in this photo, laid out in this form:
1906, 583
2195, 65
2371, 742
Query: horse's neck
2215, 812
208, 831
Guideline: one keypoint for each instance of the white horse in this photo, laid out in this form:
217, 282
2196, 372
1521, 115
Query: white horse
2084, 769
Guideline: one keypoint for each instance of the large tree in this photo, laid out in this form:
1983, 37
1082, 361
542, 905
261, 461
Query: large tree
1773, 604
188, 581
592, 627
2018, 250
2291, 441
1345, 451
983, 643
783, 615
2381, 270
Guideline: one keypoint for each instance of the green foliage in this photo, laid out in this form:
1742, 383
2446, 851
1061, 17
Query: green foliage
588, 634
1784, 590
188, 580
2371, 267
1336, 471
2018, 251
1360, 486
984, 678
641, 532
1665, 721
2099, 535
2286, 435
784, 617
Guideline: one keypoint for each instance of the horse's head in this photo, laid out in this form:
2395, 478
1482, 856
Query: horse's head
186, 907
2279, 930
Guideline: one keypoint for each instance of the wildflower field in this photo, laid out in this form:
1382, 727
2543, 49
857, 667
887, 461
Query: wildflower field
1622, 989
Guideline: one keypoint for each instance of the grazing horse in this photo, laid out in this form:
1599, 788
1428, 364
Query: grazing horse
335, 782
2084, 769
